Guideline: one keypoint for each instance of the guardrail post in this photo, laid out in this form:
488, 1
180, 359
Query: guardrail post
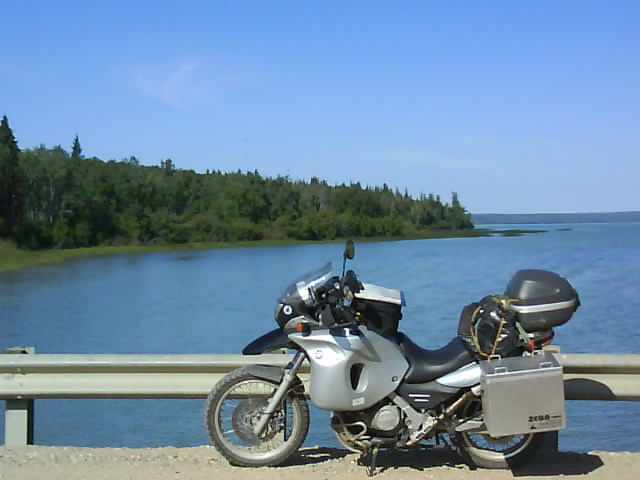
549, 444
550, 440
18, 413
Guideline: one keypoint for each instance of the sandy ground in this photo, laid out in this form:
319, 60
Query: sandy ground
71, 463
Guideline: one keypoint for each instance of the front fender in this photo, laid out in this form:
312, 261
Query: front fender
265, 372
274, 375
268, 342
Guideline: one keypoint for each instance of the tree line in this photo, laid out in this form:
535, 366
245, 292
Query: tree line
52, 198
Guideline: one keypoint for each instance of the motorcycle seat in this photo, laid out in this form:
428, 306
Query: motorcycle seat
426, 365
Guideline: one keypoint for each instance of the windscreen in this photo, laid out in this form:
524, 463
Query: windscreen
309, 281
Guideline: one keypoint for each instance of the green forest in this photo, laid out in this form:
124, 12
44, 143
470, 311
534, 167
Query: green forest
54, 198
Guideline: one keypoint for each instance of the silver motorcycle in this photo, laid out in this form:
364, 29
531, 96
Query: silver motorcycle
383, 390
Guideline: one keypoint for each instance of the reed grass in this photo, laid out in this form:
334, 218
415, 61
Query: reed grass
13, 258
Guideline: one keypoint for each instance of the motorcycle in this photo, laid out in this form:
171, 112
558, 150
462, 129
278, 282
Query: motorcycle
383, 390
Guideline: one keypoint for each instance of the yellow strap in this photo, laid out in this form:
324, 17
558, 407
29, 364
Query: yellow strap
505, 302
495, 342
474, 334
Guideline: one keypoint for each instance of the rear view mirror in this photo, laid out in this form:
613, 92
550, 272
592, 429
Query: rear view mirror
349, 250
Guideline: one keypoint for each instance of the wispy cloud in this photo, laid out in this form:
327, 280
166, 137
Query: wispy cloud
177, 86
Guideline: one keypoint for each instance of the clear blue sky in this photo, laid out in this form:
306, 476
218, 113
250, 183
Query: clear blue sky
519, 106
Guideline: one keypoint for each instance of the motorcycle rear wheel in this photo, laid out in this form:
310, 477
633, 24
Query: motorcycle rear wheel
485, 451
233, 408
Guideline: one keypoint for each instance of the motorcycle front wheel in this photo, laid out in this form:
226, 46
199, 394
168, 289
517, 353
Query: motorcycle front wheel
232, 410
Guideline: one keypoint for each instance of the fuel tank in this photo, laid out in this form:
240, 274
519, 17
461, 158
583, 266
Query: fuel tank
351, 370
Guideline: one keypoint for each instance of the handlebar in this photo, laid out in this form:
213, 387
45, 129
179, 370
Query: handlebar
336, 288
351, 280
331, 295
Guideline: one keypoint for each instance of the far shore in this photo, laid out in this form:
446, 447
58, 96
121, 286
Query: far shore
13, 258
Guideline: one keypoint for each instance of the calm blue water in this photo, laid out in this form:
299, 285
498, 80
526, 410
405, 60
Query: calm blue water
217, 301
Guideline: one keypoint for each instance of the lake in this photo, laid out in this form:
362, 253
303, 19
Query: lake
216, 301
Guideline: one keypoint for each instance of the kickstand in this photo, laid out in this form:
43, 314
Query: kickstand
372, 467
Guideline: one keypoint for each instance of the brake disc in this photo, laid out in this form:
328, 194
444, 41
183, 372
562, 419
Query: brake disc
245, 417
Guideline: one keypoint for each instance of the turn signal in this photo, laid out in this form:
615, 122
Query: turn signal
303, 327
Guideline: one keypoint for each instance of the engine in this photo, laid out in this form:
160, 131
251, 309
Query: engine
385, 423
380, 420
385, 419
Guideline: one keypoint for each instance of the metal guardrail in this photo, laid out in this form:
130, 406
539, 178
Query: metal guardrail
24, 378
600, 377
120, 376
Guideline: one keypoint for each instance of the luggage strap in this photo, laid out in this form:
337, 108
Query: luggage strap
525, 337
505, 304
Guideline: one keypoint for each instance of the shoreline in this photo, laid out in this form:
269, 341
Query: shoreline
314, 463
14, 259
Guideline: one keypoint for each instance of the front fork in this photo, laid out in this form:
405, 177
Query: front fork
276, 399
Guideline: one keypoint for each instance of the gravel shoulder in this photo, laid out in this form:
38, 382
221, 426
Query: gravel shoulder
71, 463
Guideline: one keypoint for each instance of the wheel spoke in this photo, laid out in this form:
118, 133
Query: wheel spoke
494, 452
237, 411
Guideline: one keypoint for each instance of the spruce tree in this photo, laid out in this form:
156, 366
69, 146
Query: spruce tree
76, 149
6, 136
9, 179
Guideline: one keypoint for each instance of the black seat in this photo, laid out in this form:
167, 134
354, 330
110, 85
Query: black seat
426, 365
